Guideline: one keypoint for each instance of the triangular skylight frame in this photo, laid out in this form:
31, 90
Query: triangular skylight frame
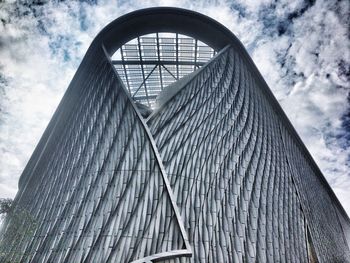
149, 63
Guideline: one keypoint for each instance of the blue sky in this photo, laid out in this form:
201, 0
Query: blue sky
301, 48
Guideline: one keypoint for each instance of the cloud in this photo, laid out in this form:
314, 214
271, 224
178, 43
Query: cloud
311, 86
300, 47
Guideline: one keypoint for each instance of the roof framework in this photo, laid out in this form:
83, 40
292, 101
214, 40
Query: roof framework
149, 63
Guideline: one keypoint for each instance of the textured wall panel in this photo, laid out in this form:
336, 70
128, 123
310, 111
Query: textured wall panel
220, 143
326, 219
102, 196
220, 130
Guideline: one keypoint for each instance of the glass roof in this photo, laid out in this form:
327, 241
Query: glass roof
150, 63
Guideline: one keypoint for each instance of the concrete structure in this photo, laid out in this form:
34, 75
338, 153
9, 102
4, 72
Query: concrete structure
171, 147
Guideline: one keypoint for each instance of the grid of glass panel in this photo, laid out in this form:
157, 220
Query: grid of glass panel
149, 63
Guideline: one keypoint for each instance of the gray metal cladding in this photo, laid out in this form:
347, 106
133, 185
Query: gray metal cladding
244, 188
215, 174
329, 225
102, 195
221, 148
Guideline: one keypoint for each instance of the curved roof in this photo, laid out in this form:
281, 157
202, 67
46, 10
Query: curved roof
146, 21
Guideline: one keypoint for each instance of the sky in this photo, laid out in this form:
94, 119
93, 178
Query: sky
302, 49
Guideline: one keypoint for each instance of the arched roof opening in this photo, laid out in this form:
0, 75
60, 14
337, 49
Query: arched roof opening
150, 63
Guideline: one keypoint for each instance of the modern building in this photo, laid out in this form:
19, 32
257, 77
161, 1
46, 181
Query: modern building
169, 146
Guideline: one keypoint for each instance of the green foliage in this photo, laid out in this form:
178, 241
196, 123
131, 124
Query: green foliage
5, 205
18, 227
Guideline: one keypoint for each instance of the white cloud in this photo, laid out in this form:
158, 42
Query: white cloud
302, 68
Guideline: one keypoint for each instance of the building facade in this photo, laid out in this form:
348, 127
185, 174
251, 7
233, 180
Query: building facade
169, 146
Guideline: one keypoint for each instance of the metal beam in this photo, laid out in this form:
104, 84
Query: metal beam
144, 81
126, 75
177, 56
145, 97
195, 54
158, 62
169, 72
159, 66
142, 69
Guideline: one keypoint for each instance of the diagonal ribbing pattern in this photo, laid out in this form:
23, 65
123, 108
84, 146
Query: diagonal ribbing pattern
236, 186
215, 174
101, 195
228, 169
330, 239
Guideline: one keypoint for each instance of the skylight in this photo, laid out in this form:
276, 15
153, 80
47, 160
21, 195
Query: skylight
150, 63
